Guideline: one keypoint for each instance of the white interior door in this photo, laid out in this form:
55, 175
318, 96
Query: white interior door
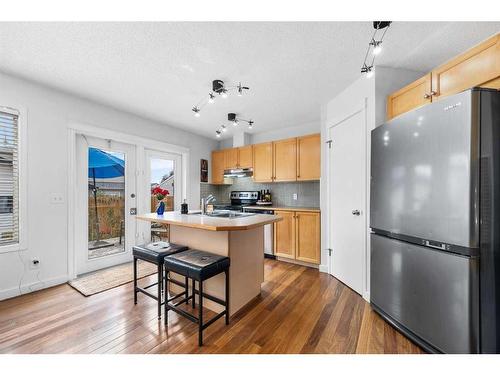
347, 197
105, 228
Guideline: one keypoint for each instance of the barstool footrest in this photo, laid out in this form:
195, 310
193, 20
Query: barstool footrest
219, 315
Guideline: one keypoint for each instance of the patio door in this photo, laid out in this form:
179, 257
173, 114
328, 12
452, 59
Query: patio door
162, 170
105, 222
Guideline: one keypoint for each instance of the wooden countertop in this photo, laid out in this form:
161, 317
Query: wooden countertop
285, 208
210, 223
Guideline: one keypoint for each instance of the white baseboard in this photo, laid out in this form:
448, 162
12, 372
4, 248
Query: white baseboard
25, 288
366, 296
323, 268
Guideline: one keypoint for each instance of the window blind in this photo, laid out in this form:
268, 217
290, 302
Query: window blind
9, 179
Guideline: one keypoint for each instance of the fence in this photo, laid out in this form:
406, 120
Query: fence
111, 214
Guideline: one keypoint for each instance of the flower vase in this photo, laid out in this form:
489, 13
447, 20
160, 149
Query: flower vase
161, 208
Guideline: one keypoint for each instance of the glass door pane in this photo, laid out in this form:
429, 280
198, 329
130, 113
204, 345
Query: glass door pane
106, 203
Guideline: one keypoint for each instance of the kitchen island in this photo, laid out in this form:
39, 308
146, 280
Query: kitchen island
241, 238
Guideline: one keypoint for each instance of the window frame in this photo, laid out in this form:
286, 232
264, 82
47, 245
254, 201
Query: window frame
22, 244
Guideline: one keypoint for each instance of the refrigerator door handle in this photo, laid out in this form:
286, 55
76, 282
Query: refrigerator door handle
436, 245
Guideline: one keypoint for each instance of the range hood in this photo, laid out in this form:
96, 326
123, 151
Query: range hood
238, 172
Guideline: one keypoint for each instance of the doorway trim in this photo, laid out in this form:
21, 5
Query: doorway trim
75, 128
360, 107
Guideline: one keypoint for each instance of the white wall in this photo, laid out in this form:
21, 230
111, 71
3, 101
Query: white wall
288, 132
374, 91
48, 114
273, 135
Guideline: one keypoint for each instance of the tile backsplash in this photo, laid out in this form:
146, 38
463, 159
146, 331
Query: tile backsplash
282, 192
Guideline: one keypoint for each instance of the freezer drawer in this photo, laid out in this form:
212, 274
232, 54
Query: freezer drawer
430, 293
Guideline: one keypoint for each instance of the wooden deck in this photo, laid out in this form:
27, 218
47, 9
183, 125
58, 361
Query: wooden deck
299, 311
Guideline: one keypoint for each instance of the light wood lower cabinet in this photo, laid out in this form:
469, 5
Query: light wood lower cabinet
284, 235
297, 236
307, 241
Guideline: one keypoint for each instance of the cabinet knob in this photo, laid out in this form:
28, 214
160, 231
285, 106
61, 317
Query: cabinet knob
433, 93
426, 96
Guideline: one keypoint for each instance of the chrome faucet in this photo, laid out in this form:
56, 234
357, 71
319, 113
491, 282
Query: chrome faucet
205, 202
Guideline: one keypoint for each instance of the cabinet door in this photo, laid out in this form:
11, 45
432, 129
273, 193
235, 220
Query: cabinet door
218, 167
245, 157
308, 237
309, 157
409, 97
231, 158
284, 235
285, 160
263, 162
475, 67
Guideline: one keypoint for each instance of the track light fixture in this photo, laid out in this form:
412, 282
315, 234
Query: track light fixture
218, 88
375, 45
235, 120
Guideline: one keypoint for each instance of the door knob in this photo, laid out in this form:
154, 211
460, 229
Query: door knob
356, 212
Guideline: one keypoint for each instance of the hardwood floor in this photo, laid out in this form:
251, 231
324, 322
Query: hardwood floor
299, 311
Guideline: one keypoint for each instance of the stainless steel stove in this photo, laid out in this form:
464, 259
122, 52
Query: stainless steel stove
239, 199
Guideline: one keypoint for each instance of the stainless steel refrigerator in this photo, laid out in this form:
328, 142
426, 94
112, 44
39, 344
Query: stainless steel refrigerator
435, 223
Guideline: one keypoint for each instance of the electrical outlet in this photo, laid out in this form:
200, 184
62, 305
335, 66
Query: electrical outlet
56, 199
294, 196
35, 263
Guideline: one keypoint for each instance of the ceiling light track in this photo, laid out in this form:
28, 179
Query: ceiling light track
218, 89
235, 120
375, 46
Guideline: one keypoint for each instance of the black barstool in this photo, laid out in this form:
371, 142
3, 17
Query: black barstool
155, 253
198, 266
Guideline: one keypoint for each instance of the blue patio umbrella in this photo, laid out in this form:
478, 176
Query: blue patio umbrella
103, 165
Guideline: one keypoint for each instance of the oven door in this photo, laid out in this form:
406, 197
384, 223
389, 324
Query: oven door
268, 232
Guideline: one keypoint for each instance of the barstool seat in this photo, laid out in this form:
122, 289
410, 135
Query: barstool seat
196, 264
199, 266
155, 253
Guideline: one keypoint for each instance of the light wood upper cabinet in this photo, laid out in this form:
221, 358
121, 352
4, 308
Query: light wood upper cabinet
263, 162
309, 157
285, 160
475, 67
307, 245
245, 157
230, 158
218, 163
411, 96
284, 235
479, 66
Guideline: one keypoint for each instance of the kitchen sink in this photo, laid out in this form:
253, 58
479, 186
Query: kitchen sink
226, 214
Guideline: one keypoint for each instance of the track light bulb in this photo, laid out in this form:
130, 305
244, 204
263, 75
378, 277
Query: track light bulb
211, 98
217, 133
196, 111
224, 128
370, 73
224, 93
377, 49
235, 122
250, 124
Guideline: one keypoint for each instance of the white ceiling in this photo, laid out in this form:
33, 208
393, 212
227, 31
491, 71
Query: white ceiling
161, 70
